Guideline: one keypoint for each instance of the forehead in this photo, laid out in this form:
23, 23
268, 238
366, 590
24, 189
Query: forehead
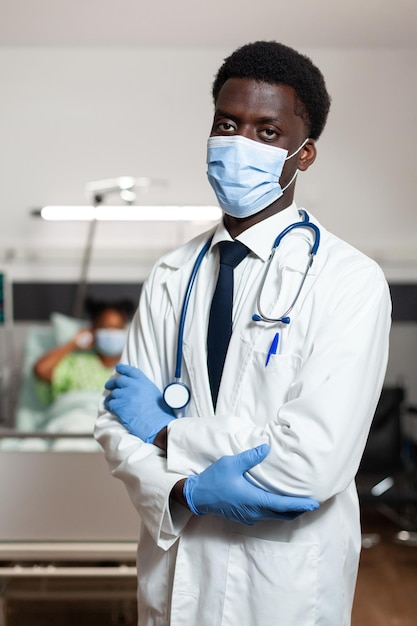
110, 318
244, 96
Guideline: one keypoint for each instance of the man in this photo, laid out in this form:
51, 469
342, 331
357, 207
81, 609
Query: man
232, 533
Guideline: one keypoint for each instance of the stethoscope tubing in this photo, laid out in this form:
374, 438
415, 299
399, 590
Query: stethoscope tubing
304, 224
284, 319
185, 304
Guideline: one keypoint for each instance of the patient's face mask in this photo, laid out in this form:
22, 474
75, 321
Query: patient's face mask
110, 341
245, 173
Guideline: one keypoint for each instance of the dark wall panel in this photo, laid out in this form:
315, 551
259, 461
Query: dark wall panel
404, 302
36, 301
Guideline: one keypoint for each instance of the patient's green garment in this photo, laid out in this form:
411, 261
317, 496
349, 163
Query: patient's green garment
78, 371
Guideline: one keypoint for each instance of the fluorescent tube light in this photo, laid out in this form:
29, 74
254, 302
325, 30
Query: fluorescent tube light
68, 213
131, 213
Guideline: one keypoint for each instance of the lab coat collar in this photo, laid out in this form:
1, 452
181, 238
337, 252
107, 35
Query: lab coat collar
260, 237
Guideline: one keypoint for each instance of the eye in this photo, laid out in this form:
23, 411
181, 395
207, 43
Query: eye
268, 134
224, 128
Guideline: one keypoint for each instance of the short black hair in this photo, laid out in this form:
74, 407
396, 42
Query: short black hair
274, 63
94, 308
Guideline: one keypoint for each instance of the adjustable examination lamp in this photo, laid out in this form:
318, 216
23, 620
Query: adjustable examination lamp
125, 187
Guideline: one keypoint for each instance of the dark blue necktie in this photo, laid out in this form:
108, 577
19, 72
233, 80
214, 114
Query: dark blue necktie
220, 321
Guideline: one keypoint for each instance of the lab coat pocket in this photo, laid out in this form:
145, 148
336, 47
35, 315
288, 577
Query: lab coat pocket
266, 387
270, 583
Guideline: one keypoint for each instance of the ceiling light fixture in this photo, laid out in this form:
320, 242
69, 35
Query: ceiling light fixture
189, 213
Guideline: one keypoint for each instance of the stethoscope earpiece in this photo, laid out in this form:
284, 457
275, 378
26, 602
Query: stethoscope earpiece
283, 320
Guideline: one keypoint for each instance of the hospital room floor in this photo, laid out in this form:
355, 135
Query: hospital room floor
386, 592
69, 602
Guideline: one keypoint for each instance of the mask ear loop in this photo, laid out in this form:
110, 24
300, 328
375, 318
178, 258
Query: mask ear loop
296, 171
291, 182
298, 149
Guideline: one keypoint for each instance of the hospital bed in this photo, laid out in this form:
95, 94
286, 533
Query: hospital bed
72, 414
68, 531
68, 536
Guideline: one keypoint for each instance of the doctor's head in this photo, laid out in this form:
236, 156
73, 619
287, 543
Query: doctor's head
274, 63
266, 95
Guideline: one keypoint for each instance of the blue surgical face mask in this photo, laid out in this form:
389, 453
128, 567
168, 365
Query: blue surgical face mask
245, 173
110, 341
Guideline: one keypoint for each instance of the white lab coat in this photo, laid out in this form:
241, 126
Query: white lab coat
313, 404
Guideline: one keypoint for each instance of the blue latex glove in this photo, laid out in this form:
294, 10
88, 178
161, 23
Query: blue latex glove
223, 489
137, 403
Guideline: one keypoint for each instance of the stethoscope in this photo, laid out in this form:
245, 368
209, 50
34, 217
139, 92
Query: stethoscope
176, 394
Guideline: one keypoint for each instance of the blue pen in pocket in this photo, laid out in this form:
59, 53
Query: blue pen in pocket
273, 348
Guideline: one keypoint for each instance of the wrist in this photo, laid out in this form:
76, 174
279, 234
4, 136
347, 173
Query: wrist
177, 492
161, 439
186, 491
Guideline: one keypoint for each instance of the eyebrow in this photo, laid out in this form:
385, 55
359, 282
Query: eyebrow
220, 113
266, 119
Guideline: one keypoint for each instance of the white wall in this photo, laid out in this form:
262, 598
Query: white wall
72, 115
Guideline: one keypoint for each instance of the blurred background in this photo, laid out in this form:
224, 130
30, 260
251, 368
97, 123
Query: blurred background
93, 90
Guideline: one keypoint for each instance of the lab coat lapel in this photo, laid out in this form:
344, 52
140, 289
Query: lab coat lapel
195, 349
196, 364
194, 369
176, 285
181, 263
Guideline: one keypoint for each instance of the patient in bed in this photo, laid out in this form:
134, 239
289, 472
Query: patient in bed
87, 360
70, 376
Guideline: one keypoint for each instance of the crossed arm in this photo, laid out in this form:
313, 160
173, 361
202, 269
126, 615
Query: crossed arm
223, 488
316, 436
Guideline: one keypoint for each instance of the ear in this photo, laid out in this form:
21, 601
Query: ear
307, 155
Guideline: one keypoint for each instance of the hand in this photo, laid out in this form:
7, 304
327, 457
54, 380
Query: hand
223, 489
137, 403
84, 339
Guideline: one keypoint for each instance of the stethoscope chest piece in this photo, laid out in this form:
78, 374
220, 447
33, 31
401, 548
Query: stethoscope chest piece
177, 395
